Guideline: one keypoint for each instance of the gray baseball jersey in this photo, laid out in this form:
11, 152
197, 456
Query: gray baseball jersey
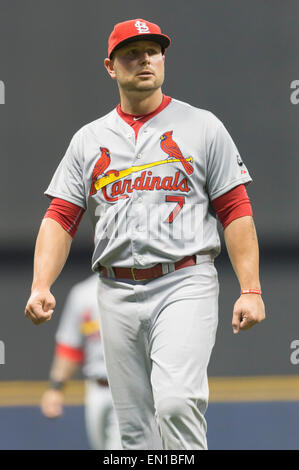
79, 327
149, 198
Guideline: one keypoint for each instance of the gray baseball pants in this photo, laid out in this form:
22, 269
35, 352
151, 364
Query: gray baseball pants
158, 336
101, 425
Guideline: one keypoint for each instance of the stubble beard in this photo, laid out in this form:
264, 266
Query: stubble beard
141, 86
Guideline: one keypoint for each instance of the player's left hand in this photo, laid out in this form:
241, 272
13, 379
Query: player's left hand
52, 403
249, 309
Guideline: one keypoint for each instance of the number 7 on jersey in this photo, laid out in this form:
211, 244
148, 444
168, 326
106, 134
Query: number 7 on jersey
180, 202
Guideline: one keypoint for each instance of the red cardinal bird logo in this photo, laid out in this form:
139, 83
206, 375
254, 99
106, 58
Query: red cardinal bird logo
99, 168
169, 146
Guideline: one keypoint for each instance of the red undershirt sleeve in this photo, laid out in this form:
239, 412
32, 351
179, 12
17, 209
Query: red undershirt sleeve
232, 205
74, 354
67, 214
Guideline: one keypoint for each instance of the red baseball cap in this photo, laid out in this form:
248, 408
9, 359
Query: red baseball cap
134, 30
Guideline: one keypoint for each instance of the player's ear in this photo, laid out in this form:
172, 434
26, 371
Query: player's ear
109, 65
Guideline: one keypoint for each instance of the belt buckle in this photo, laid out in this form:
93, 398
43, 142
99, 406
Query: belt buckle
133, 276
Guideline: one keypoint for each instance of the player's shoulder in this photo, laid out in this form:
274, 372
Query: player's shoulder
204, 115
93, 127
192, 109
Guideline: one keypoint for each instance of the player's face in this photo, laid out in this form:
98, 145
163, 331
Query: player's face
138, 66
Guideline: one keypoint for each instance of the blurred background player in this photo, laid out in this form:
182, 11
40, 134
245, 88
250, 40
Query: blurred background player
78, 344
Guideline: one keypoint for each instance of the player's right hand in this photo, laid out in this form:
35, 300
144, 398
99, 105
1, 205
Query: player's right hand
52, 403
40, 306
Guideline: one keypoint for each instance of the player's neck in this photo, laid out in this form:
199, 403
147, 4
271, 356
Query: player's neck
140, 103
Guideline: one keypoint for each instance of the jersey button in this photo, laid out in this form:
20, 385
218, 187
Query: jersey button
140, 259
139, 155
140, 200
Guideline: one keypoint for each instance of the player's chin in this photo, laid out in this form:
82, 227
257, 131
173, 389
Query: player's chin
147, 85
150, 80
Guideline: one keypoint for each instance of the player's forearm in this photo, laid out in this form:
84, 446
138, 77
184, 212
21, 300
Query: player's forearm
51, 251
63, 369
242, 246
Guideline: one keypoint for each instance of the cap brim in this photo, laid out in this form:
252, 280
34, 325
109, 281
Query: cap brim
161, 39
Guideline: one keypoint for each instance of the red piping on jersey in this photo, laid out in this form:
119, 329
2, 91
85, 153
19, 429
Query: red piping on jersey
142, 118
67, 214
232, 205
75, 354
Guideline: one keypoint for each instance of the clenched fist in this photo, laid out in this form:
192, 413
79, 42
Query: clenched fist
249, 309
40, 306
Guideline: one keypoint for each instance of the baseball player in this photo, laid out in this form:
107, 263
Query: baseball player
78, 344
154, 174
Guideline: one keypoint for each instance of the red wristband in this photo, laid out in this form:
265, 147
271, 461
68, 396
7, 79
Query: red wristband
251, 291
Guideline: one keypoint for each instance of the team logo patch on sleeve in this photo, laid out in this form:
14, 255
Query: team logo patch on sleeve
239, 160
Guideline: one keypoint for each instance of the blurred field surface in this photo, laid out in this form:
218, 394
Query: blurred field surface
222, 389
